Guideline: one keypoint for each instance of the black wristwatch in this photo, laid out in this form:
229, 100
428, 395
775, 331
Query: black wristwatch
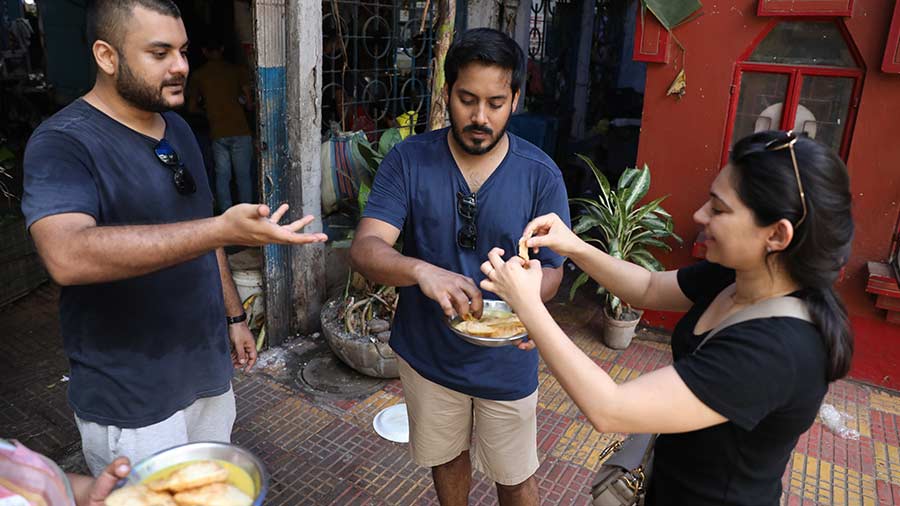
236, 319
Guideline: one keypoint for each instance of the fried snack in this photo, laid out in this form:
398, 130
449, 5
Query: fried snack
158, 485
216, 494
523, 250
492, 324
475, 328
138, 495
195, 475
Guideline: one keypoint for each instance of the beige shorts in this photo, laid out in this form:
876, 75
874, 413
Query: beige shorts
441, 424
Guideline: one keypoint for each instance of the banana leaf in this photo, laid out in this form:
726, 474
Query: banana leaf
390, 137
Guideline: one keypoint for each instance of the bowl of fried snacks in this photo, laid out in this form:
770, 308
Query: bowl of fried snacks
498, 326
195, 474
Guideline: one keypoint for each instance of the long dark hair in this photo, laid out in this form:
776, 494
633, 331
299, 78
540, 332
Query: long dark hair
765, 181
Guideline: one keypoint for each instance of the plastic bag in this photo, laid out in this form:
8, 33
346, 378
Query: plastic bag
836, 422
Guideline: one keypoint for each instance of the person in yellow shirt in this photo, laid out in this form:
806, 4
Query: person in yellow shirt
221, 87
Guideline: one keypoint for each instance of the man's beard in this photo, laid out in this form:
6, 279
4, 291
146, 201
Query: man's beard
141, 94
477, 149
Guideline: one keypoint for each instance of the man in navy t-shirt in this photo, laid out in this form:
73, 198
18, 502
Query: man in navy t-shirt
451, 196
117, 201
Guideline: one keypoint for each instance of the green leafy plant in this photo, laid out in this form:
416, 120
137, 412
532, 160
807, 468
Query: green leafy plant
362, 299
621, 228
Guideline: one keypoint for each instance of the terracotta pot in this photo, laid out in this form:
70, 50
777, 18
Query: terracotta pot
617, 334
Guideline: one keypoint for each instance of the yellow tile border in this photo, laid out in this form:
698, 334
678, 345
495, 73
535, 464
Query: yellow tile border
829, 483
883, 401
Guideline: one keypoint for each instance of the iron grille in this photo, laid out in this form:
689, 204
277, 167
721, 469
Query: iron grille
376, 63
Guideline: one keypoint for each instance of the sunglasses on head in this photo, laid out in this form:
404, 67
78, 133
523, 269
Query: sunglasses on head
466, 206
184, 182
788, 142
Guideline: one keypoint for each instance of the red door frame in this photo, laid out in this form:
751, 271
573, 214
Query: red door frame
796, 74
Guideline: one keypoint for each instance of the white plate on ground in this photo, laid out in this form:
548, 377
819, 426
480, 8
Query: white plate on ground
392, 424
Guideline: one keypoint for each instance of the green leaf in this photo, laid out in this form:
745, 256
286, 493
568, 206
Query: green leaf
638, 188
627, 176
654, 242
615, 306
373, 158
646, 260
584, 223
363, 197
579, 282
389, 138
639, 213
598, 174
662, 212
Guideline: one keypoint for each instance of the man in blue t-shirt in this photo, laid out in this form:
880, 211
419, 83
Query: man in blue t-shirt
452, 195
117, 201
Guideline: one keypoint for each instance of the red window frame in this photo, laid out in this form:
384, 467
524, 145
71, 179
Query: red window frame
807, 8
795, 82
891, 62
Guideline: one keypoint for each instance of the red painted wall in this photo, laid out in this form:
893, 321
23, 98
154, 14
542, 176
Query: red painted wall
682, 141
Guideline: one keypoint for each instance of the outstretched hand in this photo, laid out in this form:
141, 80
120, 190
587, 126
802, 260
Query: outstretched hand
256, 225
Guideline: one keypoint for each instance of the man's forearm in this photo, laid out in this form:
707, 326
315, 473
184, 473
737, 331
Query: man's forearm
233, 303
381, 263
98, 254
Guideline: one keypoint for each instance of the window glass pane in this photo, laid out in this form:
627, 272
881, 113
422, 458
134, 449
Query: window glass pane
760, 103
824, 105
804, 43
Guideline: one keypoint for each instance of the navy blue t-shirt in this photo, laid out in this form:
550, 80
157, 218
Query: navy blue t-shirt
415, 190
139, 349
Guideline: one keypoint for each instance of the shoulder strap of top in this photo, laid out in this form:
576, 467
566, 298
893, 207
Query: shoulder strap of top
770, 308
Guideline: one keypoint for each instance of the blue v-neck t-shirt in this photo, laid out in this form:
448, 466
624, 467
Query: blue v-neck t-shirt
415, 190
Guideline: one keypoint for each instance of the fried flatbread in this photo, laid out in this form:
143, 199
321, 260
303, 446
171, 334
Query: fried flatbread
138, 495
216, 494
496, 324
523, 250
198, 474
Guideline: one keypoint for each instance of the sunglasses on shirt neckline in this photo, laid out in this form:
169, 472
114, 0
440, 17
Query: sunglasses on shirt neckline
181, 177
467, 206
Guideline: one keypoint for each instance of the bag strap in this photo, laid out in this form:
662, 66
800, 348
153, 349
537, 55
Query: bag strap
786, 306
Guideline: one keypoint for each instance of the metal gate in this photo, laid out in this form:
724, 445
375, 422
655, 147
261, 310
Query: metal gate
376, 64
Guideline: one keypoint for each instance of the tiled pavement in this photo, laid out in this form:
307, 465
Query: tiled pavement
323, 451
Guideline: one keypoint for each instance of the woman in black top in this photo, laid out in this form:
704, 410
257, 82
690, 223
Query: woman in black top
778, 223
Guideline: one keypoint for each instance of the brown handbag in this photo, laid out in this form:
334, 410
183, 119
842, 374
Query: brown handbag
622, 480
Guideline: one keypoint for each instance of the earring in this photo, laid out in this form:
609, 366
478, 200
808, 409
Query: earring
768, 249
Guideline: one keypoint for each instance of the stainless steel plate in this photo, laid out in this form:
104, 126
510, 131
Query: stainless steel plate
491, 342
205, 451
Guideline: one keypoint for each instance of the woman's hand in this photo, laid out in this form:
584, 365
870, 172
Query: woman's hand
550, 231
518, 286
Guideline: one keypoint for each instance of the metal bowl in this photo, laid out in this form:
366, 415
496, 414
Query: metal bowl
205, 451
491, 342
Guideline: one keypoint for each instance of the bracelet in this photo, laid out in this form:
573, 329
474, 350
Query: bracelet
236, 319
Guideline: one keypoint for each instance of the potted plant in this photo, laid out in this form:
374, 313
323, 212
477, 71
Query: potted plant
357, 323
614, 221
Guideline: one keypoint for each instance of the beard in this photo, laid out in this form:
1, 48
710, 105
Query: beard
479, 148
140, 93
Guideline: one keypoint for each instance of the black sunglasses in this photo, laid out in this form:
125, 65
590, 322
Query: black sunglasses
787, 142
466, 206
182, 178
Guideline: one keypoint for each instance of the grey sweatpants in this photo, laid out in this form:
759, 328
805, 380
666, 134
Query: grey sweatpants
207, 419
